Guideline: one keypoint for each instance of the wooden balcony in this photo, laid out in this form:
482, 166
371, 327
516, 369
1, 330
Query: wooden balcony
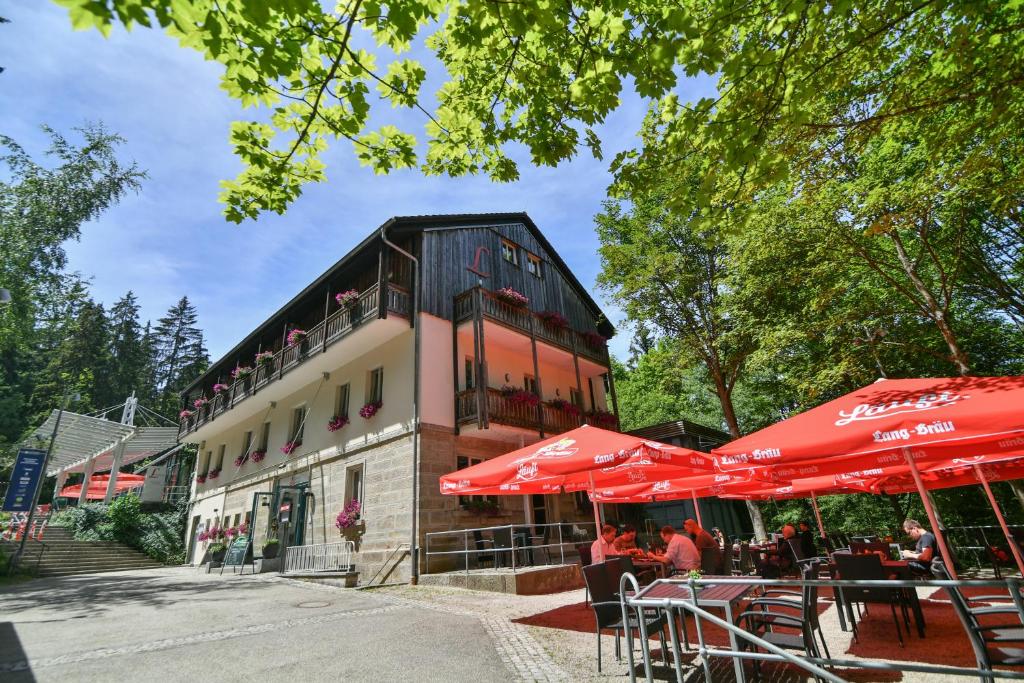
521, 319
500, 409
324, 334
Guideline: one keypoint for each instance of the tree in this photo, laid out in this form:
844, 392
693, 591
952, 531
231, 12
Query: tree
543, 75
669, 273
180, 352
128, 349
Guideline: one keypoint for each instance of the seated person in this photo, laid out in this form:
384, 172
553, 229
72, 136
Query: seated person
602, 548
701, 538
627, 541
925, 551
807, 540
680, 553
780, 560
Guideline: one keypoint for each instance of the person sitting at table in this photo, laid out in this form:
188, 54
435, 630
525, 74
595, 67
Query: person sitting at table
781, 559
680, 553
925, 551
602, 548
807, 540
701, 538
626, 541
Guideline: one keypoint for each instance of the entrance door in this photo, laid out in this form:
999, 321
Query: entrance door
540, 509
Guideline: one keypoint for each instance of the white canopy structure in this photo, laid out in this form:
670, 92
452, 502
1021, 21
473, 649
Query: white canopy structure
91, 443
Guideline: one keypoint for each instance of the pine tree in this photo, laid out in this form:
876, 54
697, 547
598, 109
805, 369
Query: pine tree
127, 350
180, 352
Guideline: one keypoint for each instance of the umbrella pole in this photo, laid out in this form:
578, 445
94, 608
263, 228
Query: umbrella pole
999, 516
817, 514
597, 511
696, 508
939, 536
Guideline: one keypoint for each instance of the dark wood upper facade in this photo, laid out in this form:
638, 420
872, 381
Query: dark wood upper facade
459, 255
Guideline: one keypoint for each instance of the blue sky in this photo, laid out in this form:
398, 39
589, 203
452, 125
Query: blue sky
171, 240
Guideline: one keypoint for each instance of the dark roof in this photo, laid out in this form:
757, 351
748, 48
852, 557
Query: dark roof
677, 428
408, 224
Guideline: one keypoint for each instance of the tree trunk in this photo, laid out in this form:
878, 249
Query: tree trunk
725, 399
901, 516
1018, 491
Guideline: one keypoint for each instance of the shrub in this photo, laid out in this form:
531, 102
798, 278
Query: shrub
124, 515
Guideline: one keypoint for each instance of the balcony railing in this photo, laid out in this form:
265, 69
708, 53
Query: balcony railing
337, 326
502, 409
521, 319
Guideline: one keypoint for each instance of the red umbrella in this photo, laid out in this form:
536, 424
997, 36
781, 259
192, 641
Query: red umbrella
909, 420
584, 458
98, 486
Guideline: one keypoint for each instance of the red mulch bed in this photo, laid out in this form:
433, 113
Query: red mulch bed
970, 592
580, 617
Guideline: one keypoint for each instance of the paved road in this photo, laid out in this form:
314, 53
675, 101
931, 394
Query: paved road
178, 625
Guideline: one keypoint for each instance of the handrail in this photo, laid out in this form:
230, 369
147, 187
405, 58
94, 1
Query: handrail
511, 549
387, 559
1012, 585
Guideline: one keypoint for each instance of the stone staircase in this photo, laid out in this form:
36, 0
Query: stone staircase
64, 556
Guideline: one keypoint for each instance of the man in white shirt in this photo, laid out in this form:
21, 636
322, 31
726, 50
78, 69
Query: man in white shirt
603, 548
680, 551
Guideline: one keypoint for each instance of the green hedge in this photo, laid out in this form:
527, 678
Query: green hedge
158, 534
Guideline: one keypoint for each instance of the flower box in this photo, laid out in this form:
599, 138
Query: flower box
564, 406
240, 460
511, 297
257, 456
242, 372
369, 410
212, 474
520, 396
290, 447
296, 336
220, 388
264, 358
349, 516
554, 320
347, 298
201, 479
601, 418
200, 403
185, 414
336, 423
595, 339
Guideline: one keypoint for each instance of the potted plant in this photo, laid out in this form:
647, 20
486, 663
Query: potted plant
240, 460
201, 479
337, 422
185, 414
270, 548
553, 320
347, 298
215, 552
601, 418
290, 447
299, 338
265, 360
243, 373
511, 297
482, 506
213, 474
370, 409
524, 398
564, 406
220, 388
595, 339
258, 455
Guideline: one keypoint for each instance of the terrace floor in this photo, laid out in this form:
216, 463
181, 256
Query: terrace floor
188, 625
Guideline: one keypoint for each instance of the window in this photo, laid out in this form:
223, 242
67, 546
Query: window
533, 264
375, 386
238, 520
206, 461
461, 463
354, 484
469, 372
298, 424
510, 252
582, 501
247, 443
265, 437
341, 400
530, 383
220, 456
576, 398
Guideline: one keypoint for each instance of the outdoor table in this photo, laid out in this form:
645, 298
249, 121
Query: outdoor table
663, 592
659, 568
896, 569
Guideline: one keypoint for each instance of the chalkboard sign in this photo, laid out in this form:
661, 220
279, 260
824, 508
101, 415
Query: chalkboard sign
238, 554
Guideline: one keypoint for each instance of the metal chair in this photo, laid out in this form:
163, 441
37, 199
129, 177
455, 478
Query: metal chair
710, 559
483, 544
727, 563
502, 545
585, 559
608, 612
988, 641
869, 568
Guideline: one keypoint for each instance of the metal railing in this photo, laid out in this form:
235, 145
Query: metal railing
775, 654
967, 538
333, 328
319, 557
520, 539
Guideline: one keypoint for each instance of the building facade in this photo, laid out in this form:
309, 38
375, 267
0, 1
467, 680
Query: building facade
293, 426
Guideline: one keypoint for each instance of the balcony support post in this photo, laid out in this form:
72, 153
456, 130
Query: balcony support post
327, 309
455, 368
382, 286
483, 414
536, 376
576, 366
284, 341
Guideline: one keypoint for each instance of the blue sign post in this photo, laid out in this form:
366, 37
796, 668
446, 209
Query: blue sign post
25, 479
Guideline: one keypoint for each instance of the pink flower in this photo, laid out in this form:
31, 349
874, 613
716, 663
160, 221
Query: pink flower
594, 338
296, 336
553, 319
185, 414
200, 402
348, 517
241, 372
290, 447
336, 423
257, 456
240, 460
347, 297
265, 358
370, 409
219, 388
511, 297
201, 479
213, 474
